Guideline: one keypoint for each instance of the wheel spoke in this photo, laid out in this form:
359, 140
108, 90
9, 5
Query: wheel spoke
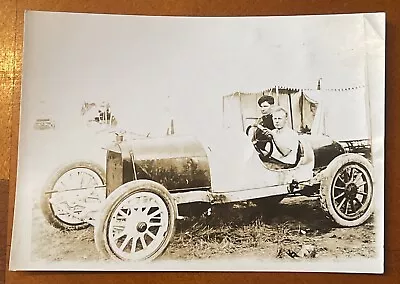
118, 227
362, 193
149, 206
151, 203
347, 206
143, 241
341, 203
146, 210
121, 234
358, 178
62, 213
351, 174
347, 174
339, 187
141, 203
134, 243
361, 184
125, 242
155, 213
158, 223
340, 177
352, 206
340, 195
358, 201
122, 213
151, 235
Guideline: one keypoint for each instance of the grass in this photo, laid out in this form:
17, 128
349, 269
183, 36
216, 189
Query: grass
240, 229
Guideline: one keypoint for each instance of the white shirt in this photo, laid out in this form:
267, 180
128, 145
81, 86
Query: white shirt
288, 138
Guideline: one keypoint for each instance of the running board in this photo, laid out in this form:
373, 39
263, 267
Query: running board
227, 197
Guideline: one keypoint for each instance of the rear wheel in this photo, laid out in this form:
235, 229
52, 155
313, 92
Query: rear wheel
346, 192
137, 222
70, 190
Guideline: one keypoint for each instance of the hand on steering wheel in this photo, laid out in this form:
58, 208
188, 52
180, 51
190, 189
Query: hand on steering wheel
248, 129
265, 151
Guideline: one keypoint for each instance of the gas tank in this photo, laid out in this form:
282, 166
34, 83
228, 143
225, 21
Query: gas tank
179, 163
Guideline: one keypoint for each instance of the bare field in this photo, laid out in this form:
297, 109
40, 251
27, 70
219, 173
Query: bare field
297, 228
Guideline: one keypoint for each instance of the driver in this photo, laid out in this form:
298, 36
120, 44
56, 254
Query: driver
260, 138
285, 140
266, 103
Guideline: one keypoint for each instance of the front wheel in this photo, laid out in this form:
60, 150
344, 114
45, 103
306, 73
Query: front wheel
346, 191
70, 192
137, 222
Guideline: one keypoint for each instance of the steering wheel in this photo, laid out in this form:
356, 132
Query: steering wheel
265, 151
264, 145
248, 129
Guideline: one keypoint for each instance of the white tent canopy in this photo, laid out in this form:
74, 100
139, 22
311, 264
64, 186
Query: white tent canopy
340, 113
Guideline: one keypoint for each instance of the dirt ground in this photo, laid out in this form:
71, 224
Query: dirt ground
296, 228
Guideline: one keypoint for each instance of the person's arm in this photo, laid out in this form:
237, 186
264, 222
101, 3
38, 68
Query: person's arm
264, 130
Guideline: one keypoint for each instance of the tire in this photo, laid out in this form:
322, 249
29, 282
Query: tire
49, 211
348, 181
123, 226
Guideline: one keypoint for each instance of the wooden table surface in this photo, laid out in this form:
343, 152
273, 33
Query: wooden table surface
11, 38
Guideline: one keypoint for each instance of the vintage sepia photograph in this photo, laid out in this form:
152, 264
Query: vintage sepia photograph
201, 143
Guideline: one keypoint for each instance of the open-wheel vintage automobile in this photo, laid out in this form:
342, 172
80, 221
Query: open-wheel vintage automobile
149, 183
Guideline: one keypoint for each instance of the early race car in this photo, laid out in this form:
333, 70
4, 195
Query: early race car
149, 183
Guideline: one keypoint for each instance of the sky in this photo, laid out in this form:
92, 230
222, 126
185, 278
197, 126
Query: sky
152, 69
